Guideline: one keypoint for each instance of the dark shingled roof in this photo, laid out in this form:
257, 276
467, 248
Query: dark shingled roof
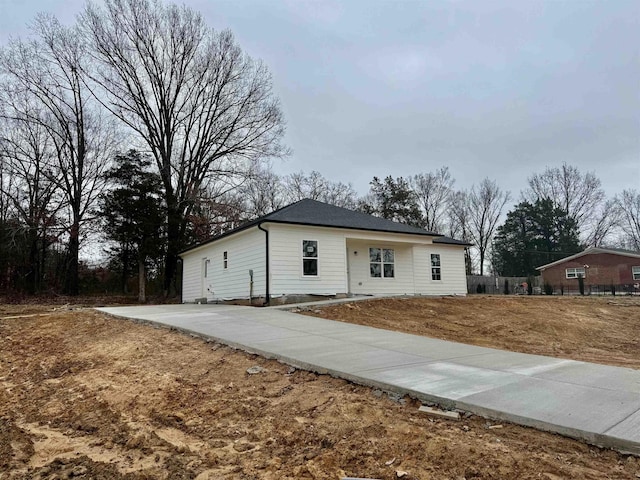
315, 213
452, 241
312, 212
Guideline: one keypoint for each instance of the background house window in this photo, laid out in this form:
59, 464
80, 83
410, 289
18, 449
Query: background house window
575, 272
310, 258
436, 273
382, 262
225, 259
635, 271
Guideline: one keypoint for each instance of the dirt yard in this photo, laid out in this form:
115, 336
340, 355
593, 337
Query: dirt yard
84, 395
591, 329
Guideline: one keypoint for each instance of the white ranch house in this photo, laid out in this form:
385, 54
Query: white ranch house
310, 248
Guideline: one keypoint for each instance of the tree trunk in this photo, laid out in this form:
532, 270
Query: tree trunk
174, 221
142, 281
125, 270
71, 280
33, 273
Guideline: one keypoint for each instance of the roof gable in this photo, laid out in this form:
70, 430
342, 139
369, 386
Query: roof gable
591, 251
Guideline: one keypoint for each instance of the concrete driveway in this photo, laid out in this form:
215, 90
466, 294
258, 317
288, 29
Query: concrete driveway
595, 403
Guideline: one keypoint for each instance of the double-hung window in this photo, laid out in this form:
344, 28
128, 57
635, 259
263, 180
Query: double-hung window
575, 272
310, 258
225, 259
635, 273
382, 262
436, 272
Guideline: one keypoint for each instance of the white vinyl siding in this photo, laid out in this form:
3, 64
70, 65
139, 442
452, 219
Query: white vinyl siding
343, 264
286, 254
452, 270
360, 268
245, 251
191, 277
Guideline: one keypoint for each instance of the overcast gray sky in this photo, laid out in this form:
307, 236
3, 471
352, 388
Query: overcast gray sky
490, 88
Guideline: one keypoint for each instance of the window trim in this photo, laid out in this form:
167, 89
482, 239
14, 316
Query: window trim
438, 267
382, 263
305, 257
635, 273
576, 272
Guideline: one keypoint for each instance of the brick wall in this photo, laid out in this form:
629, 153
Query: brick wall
604, 269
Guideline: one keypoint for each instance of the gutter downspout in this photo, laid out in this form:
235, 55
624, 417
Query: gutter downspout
267, 293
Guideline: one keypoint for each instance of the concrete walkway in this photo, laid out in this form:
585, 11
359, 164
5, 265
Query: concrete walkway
595, 403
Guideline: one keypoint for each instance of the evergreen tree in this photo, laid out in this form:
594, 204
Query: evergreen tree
394, 200
134, 216
534, 235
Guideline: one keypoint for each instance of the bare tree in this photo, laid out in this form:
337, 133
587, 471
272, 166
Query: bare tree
485, 202
577, 194
628, 204
316, 187
459, 222
49, 69
262, 193
603, 223
35, 197
433, 190
204, 109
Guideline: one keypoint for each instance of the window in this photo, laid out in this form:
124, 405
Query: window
575, 272
435, 267
310, 258
635, 272
225, 260
381, 262
205, 264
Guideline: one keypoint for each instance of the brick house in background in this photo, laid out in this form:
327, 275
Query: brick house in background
601, 269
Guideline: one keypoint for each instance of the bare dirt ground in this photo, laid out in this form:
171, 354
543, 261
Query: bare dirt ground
84, 395
591, 329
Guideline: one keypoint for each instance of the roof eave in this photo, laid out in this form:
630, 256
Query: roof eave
257, 222
588, 251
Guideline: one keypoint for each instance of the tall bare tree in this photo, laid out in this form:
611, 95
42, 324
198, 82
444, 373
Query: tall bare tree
628, 204
603, 223
49, 69
262, 193
485, 202
316, 187
458, 223
432, 191
204, 109
26, 148
578, 195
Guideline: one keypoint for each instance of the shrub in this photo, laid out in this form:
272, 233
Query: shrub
506, 286
581, 285
548, 289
